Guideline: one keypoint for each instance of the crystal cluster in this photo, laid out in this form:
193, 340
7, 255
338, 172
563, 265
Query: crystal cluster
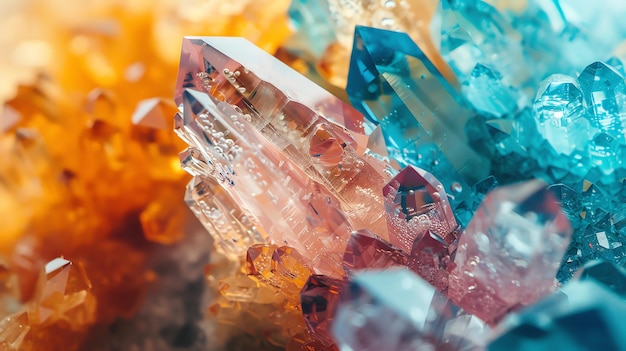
473, 198
398, 231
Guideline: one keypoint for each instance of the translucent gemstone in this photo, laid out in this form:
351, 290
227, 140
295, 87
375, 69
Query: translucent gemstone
474, 32
259, 263
514, 242
269, 144
396, 310
422, 116
365, 250
607, 273
585, 315
558, 108
416, 203
605, 92
485, 90
290, 266
319, 299
13, 330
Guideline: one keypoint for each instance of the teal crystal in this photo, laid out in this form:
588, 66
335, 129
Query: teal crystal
605, 92
422, 116
474, 32
607, 273
584, 315
314, 30
558, 109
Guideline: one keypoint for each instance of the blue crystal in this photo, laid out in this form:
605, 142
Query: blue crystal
605, 92
474, 32
314, 32
558, 109
585, 315
607, 273
422, 116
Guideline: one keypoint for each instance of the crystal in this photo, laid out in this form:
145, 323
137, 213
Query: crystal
295, 175
319, 298
558, 110
515, 240
421, 222
365, 250
556, 321
475, 34
422, 116
281, 267
607, 273
396, 310
605, 92
485, 90
326, 29
416, 202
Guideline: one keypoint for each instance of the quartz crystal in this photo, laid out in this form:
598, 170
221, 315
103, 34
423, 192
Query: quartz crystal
516, 239
421, 223
319, 298
289, 153
396, 310
422, 116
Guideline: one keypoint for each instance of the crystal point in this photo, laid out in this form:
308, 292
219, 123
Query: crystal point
365, 250
416, 202
291, 155
422, 116
515, 241
319, 298
605, 92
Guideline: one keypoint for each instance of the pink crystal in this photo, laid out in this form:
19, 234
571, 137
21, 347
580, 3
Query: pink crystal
289, 153
421, 223
319, 299
365, 250
510, 251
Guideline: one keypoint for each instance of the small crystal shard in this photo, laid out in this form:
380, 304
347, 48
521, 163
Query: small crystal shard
319, 298
416, 202
515, 241
396, 310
